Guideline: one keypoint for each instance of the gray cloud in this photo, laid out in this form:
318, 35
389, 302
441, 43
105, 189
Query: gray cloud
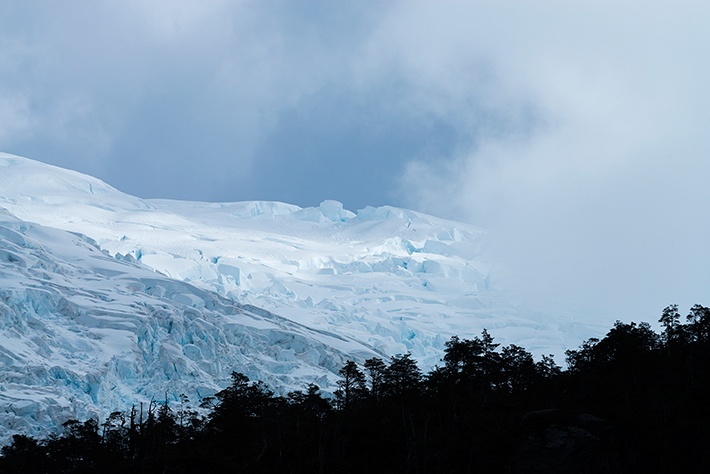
601, 201
165, 98
574, 130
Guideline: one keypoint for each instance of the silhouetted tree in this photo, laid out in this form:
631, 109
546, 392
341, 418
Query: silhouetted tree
673, 330
402, 376
699, 323
375, 368
352, 389
517, 368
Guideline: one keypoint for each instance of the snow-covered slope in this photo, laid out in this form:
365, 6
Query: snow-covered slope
83, 334
107, 298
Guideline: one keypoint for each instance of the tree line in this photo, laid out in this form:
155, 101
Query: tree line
633, 401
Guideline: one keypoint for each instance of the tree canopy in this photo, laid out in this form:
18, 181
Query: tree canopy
632, 401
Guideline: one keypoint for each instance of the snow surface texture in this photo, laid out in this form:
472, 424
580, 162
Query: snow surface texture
108, 300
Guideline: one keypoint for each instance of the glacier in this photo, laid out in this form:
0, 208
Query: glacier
83, 334
109, 300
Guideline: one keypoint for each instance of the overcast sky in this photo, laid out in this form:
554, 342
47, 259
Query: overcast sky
577, 132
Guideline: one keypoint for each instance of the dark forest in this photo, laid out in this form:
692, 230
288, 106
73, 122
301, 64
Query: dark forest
633, 401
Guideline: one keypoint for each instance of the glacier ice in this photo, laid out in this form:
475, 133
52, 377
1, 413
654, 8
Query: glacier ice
108, 300
83, 334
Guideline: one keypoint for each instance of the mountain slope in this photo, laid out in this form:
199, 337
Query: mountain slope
82, 333
108, 298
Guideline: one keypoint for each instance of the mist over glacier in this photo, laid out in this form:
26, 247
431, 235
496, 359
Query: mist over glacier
109, 300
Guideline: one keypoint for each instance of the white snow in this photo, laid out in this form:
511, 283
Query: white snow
107, 299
